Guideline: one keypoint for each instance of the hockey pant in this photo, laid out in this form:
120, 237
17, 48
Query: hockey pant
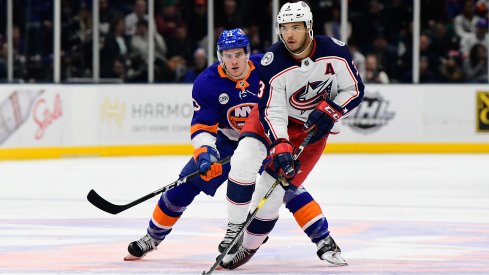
246, 163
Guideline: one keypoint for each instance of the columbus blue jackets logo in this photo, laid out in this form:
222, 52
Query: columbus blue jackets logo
307, 97
238, 114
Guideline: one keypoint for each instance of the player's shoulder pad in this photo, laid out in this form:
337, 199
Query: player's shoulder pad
256, 58
274, 61
331, 46
205, 80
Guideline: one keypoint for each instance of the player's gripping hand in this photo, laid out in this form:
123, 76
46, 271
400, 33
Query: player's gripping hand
322, 119
206, 158
283, 160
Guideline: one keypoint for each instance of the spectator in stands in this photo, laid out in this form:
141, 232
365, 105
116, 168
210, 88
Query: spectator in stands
118, 69
107, 14
20, 58
451, 68
475, 66
367, 23
198, 65
427, 51
115, 45
478, 37
386, 53
253, 33
176, 69
169, 20
262, 19
481, 8
166, 69
203, 42
3, 61
465, 22
358, 59
140, 44
180, 44
373, 73
80, 41
442, 40
426, 73
133, 18
230, 17
197, 22
332, 27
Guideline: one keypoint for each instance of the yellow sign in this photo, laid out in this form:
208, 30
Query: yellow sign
113, 111
482, 114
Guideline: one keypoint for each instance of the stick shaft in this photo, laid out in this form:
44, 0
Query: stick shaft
98, 201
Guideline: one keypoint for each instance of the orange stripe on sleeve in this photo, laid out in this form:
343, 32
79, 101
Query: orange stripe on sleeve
203, 127
307, 213
199, 151
162, 218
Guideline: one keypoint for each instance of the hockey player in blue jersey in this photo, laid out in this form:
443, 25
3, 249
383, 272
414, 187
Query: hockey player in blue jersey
223, 96
309, 83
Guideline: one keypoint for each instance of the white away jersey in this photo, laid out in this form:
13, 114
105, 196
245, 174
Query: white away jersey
293, 88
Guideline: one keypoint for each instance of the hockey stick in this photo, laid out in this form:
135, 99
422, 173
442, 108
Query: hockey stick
258, 207
111, 208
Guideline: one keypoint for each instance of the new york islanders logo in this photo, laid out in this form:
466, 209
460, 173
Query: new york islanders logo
238, 114
308, 96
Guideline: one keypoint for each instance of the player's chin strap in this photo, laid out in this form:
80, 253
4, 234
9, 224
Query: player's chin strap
250, 218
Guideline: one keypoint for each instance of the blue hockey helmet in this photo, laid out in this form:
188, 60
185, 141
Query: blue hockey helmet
233, 39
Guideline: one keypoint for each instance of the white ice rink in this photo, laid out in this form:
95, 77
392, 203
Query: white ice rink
390, 214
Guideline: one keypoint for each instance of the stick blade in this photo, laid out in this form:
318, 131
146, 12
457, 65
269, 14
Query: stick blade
102, 204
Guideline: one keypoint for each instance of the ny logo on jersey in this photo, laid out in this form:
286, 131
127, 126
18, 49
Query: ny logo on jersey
307, 97
237, 115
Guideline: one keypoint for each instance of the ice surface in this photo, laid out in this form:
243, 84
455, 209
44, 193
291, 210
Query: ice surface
402, 214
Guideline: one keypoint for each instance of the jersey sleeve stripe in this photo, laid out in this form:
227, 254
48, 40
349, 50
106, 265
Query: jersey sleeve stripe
202, 127
266, 114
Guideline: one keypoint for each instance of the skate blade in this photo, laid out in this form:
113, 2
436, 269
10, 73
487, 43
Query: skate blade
334, 259
130, 257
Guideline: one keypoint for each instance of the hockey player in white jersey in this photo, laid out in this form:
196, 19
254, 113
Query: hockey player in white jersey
308, 83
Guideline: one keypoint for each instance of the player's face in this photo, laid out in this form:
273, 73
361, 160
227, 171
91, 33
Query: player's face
295, 36
235, 62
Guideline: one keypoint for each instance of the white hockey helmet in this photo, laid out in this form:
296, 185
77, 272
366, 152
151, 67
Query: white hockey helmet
295, 12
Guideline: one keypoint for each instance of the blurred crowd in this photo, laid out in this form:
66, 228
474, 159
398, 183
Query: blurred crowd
453, 42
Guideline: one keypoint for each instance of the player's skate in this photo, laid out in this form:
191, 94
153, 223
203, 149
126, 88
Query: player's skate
141, 247
231, 232
242, 256
330, 252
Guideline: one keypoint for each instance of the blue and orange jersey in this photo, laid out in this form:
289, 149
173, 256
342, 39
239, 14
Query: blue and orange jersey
222, 104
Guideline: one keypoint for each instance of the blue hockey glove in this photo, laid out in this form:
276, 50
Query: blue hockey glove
322, 119
206, 158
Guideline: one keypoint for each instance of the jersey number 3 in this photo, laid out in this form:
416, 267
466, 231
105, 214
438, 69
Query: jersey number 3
262, 89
